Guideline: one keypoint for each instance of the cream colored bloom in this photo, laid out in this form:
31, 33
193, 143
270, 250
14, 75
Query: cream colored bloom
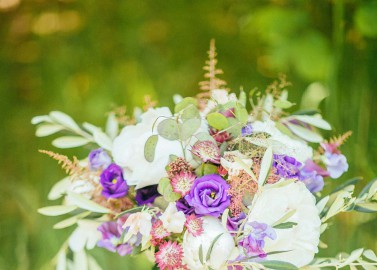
302, 240
230, 162
85, 236
140, 222
222, 250
172, 219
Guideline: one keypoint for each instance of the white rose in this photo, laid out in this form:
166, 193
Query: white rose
302, 240
222, 249
128, 150
172, 219
283, 144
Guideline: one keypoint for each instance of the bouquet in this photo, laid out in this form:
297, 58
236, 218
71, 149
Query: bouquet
221, 182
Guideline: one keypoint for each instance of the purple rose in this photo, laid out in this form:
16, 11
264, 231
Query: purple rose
111, 239
253, 243
146, 195
286, 166
209, 195
99, 159
336, 164
114, 186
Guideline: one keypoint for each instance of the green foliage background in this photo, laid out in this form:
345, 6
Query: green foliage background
83, 57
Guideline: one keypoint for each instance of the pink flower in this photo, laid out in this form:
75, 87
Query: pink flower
169, 257
182, 182
194, 225
158, 233
207, 151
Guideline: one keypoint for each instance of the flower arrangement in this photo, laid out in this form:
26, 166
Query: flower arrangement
223, 182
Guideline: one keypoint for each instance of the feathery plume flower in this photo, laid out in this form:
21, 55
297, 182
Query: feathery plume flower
207, 151
194, 225
182, 182
169, 256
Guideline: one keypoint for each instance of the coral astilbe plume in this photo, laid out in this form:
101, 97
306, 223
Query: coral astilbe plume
169, 256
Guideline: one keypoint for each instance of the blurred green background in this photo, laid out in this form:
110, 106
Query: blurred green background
84, 57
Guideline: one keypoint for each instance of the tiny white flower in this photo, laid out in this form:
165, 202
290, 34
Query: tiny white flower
85, 235
140, 222
172, 219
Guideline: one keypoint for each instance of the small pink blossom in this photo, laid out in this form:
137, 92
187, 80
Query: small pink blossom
207, 151
194, 225
169, 257
158, 233
182, 182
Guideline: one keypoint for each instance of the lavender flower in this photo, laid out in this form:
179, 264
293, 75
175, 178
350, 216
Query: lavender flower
247, 130
111, 239
253, 244
336, 164
99, 159
209, 195
146, 195
113, 183
286, 166
233, 223
312, 176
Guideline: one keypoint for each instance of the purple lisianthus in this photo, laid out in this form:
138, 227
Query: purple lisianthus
336, 164
113, 183
286, 166
146, 195
253, 243
111, 239
247, 130
209, 195
99, 159
182, 205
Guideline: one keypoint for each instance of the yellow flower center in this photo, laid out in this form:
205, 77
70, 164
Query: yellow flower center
114, 181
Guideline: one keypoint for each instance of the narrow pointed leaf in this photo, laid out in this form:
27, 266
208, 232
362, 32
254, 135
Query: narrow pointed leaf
56, 210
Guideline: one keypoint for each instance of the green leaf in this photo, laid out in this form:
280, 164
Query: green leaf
365, 19
369, 254
184, 103
204, 136
70, 142
242, 98
314, 121
265, 166
369, 206
209, 251
170, 195
283, 129
201, 254
313, 96
190, 112
168, 129
189, 127
65, 120
285, 225
71, 221
86, 204
205, 169
48, 129
304, 133
103, 140
356, 254
284, 218
162, 184
150, 148
366, 188
59, 188
57, 210
283, 104
278, 265
241, 113
217, 121
349, 182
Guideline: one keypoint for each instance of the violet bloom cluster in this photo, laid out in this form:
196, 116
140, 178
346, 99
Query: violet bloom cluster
111, 239
209, 196
253, 243
312, 176
146, 195
99, 159
286, 166
113, 183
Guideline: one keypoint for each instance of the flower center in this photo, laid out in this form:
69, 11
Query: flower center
114, 181
213, 194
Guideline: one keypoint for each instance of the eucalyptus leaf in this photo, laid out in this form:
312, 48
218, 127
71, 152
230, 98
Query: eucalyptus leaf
65, 120
56, 210
217, 121
48, 129
305, 133
190, 112
189, 127
265, 166
86, 204
241, 113
204, 136
168, 129
162, 184
170, 195
150, 148
184, 103
70, 142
